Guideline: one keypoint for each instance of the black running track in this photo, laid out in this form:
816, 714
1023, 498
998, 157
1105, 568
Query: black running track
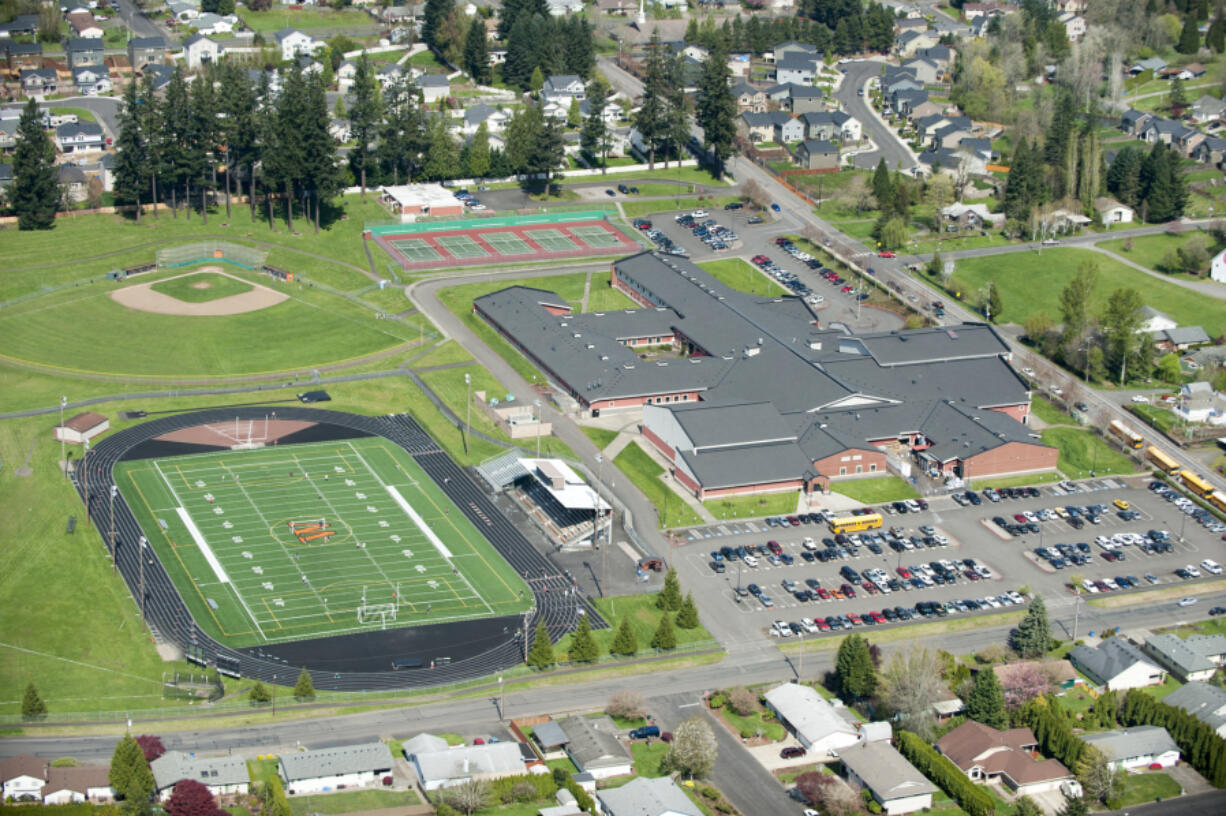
344, 662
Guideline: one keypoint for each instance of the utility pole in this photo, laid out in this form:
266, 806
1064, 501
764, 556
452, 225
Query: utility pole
603, 556
502, 701
63, 460
114, 564
85, 463
537, 403
468, 403
1076, 610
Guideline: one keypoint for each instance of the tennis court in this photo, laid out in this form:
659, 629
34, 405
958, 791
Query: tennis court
598, 236
415, 249
506, 243
461, 246
551, 239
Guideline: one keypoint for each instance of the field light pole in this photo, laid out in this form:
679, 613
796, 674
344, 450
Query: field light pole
603, 557
468, 403
85, 462
63, 459
114, 565
502, 701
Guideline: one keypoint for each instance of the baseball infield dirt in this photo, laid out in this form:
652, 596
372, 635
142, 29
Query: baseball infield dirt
142, 298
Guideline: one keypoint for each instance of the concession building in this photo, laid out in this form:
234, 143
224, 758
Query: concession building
751, 394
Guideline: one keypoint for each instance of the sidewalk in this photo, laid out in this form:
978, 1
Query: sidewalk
672, 484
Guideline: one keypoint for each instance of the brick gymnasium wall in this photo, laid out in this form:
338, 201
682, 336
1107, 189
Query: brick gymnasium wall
638, 402
749, 490
1018, 412
1014, 457
830, 465
662, 446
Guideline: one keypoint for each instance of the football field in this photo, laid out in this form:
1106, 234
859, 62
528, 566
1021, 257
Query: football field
297, 541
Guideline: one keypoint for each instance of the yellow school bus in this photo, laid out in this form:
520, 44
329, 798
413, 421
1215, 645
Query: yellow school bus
1161, 461
854, 524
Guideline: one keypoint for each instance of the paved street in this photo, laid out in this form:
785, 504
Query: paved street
895, 153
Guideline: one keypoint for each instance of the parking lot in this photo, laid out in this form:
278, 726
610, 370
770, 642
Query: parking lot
925, 561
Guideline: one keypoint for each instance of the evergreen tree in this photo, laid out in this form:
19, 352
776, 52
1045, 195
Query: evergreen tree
536, 81
583, 647
986, 703
512, 10
477, 52
677, 116
1060, 131
364, 117
402, 136
625, 642
995, 305
35, 192
669, 596
479, 152
434, 18
321, 177
853, 669
1178, 97
204, 128
131, 161
687, 616
521, 54
130, 776
32, 705
665, 636
883, 188
1074, 807
1032, 637
304, 689
716, 107
1216, 37
239, 128
442, 154
651, 118
1124, 176
540, 656
594, 137
1189, 37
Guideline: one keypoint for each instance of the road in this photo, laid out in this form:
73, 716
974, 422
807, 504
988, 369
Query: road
856, 76
136, 21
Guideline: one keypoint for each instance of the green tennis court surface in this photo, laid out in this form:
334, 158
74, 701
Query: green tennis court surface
595, 236
551, 240
415, 249
460, 246
318, 539
506, 243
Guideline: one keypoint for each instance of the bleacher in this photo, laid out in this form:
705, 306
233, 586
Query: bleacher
563, 524
504, 470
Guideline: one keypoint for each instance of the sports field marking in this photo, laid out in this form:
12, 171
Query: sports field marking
205, 550
596, 236
551, 240
506, 243
415, 249
460, 246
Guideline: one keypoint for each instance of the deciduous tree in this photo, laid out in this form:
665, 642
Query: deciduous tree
469, 796
629, 705
909, 685
151, 746
191, 798
693, 750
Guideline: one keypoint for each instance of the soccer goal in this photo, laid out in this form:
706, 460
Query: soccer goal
205, 251
380, 612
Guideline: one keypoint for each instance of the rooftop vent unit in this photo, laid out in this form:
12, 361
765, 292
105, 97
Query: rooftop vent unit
576, 335
953, 335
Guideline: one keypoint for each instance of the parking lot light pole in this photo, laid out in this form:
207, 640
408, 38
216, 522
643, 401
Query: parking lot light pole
114, 565
537, 403
468, 403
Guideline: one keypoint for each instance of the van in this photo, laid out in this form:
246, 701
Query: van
645, 732
1121, 504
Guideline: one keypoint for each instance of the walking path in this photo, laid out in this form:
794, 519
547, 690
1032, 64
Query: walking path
1206, 287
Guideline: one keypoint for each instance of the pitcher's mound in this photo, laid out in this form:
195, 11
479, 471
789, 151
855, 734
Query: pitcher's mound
143, 298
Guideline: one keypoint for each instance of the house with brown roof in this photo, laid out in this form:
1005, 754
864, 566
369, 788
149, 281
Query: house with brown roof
985, 754
22, 778
84, 783
82, 427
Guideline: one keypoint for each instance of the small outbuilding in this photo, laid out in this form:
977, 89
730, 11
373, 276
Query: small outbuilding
407, 200
82, 427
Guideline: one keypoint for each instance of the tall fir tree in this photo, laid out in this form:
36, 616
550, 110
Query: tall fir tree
32, 705
401, 135
304, 688
434, 19
665, 636
131, 160
677, 132
1216, 36
583, 647
477, 52
321, 177
479, 152
237, 102
131, 778
174, 138
540, 656
35, 191
594, 136
883, 188
986, 703
687, 616
442, 153
1032, 637
364, 116
716, 107
853, 669
625, 642
669, 596
1189, 36
650, 120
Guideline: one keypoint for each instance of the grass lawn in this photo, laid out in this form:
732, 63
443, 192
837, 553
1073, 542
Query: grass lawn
447, 353
1161, 418
768, 504
601, 437
351, 801
562, 762
644, 618
635, 209
742, 276
953, 242
1145, 787
1159, 692
685, 175
647, 758
671, 509
875, 490
449, 385
1044, 410
304, 18
1017, 481
262, 770
1149, 250
1082, 451
753, 724
81, 113
201, 287
1030, 282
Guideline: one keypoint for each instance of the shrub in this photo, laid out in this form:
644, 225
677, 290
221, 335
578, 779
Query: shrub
743, 701
969, 796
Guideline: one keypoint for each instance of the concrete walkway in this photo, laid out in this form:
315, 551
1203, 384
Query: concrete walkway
672, 484
618, 444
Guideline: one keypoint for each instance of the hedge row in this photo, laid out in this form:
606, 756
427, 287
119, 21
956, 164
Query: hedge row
1199, 744
973, 799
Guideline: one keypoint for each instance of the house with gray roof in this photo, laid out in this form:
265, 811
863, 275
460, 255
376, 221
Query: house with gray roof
1184, 659
20, 55
645, 796
39, 82
759, 127
1116, 664
749, 98
221, 775
143, 50
796, 68
352, 766
454, 765
1208, 109
892, 781
794, 48
551, 739
563, 87
817, 154
1154, 64
786, 129
1204, 702
433, 86
1137, 747
85, 51
1160, 129
595, 747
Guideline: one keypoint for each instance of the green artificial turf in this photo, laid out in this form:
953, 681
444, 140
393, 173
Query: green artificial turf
201, 287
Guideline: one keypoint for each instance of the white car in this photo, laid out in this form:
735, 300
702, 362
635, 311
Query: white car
1016, 597
699, 214
1089, 586
1029, 372
477, 207
781, 629
751, 561
1188, 601
808, 625
1193, 571
1140, 398
1211, 566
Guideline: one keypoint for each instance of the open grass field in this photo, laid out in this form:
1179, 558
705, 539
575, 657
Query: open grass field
875, 490
601, 437
671, 509
201, 287
1030, 282
1044, 410
1149, 250
303, 18
743, 277
1023, 480
357, 801
447, 353
644, 618
768, 504
299, 541
635, 209
1145, 787
1082, 451
95, 334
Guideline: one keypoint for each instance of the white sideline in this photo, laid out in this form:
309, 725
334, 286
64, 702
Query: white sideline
418, 520
198, 537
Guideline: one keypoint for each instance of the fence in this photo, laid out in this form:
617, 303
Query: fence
485, 223
234, 254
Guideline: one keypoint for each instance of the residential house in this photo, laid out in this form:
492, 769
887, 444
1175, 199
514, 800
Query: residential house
1187, 72
564, 87
1112, 211
593, 745
551, 739
159, 75
985, 754
1211, 150
796, 68
1133, 121
329, 768
759, 127
817, 154
1181, 338
1186, 142
560, 8
1207, 109
8, 134
1154, 64
221, 775
892, 781
646, 796
91, 81
433, 86
182, 10
749, 98
1204, 702
447, 766
72, 182
924, 71
82, 783
796, 98
970, 216
951, 134
794, 48
22, 777
390, 74
210, 23
942, 56
816, 723
1074, 26
495, 119
78, 137
909, 42
294, 43
1155, 320
1198, 402
1142, 746
1116, 664
39, 82
199, 50
21, 25
910, 24
831, 125
345, 74
83, 24
85, 51
19, 55
913, 104
145, 50
1182, 659
786, 129
610, 115
892, 86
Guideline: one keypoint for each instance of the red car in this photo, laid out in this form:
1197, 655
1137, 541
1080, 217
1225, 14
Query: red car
774, 547
823, 593
794, 521
1019, 518
877, 616
854, 618
885, 253
847, 289
903, 572
870, 587
760, 259
848, 591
